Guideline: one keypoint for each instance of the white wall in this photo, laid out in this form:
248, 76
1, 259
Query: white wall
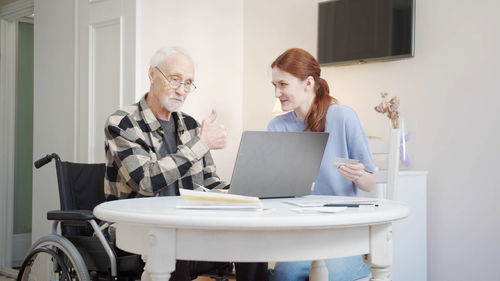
211, 31
271, 27
449, 93
53, 124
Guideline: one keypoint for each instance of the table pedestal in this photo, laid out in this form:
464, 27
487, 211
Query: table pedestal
318, 271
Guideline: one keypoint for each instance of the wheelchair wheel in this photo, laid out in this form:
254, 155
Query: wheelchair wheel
53, 257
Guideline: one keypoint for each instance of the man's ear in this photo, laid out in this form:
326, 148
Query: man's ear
151, 74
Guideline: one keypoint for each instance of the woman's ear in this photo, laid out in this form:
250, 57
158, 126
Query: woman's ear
310, 82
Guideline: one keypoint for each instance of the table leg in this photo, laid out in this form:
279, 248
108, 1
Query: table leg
380, 256
160, 260
380, 273
147, 276
318, 271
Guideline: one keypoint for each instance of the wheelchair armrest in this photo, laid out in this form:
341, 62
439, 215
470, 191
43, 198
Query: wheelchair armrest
74, 215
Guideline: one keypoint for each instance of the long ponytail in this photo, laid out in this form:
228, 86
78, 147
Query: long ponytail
316, 116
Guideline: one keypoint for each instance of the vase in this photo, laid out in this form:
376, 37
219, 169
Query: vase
405, 137
395, 123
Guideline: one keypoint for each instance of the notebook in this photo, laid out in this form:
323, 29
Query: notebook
277, 164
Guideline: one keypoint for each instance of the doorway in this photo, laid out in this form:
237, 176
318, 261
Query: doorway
16, 132
23, 157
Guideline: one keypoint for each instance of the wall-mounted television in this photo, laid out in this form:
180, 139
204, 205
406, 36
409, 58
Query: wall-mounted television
357, 31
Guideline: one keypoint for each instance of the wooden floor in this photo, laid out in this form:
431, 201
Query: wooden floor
4, 278
203, 279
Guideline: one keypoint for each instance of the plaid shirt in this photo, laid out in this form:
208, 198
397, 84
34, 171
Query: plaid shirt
134, 167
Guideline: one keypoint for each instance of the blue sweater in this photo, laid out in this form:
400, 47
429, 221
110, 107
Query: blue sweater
347, 140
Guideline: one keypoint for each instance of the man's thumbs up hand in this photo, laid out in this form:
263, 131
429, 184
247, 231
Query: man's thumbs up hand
213, 135
212, 117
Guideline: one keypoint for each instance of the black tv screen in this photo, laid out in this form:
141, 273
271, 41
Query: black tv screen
352, 31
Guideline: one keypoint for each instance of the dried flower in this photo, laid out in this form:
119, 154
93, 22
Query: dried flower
389, 108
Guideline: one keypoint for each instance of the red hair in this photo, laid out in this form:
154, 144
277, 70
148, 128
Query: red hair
301, 64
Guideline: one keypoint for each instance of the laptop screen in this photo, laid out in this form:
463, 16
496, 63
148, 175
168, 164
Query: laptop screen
277, 164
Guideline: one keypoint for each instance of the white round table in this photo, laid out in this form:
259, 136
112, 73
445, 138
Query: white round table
159, 231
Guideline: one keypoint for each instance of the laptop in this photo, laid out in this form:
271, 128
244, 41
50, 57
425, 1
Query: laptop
277, 164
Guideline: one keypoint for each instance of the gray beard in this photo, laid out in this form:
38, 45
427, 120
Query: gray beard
165, 105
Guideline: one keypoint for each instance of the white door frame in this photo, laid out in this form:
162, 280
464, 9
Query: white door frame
8, 47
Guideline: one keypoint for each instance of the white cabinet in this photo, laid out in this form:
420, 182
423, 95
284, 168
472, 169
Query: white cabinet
410, 234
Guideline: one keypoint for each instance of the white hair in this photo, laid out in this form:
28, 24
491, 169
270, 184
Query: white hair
163, 53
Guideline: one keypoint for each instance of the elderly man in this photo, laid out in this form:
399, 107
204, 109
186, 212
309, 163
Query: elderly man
154, 149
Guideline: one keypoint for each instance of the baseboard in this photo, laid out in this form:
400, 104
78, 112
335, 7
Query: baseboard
21, 245
9, 272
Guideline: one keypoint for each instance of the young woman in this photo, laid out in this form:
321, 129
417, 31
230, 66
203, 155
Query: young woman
296, 76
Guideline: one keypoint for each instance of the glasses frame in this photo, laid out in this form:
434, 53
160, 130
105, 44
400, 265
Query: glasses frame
192, 85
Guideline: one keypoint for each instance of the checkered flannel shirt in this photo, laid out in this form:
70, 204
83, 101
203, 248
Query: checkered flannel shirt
134, 167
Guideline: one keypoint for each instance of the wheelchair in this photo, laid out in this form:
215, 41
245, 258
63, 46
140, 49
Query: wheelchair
85, 250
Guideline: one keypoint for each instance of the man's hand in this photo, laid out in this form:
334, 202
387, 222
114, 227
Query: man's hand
213, 135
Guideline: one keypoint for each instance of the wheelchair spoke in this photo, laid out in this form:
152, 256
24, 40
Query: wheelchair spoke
43, 264
53, 258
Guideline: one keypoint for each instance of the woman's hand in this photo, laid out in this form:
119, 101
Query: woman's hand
352, 172
357, 174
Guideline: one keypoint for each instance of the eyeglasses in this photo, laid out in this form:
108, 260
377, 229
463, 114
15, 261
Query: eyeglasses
175, 83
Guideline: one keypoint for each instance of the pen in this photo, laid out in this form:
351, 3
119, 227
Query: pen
202, 187
349, 204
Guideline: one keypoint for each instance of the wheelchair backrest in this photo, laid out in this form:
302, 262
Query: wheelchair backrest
81, 186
